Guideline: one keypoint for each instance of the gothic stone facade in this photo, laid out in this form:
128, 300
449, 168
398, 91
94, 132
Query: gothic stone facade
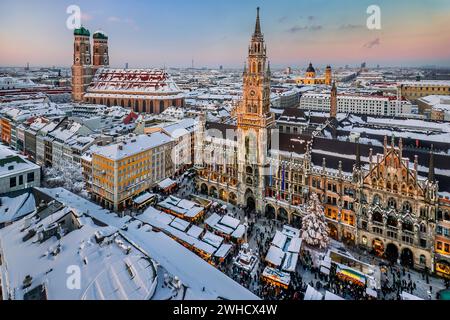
383, 205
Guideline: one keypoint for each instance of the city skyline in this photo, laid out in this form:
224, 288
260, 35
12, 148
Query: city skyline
151, 34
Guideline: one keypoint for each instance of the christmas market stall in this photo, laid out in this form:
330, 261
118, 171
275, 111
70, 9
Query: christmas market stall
167, 185
276, 277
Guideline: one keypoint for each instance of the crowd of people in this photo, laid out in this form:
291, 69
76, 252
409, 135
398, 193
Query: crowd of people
260, 232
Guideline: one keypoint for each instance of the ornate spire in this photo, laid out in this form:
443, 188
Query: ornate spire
257, 24
268, 67
431, 166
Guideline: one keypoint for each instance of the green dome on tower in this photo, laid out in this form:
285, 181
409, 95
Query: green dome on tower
100, 35
82, 31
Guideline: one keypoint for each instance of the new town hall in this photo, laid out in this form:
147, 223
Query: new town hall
378, 193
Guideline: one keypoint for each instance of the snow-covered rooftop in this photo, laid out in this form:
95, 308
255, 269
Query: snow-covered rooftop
202, 280
132, 146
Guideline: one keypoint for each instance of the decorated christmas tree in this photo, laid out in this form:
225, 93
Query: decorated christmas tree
314, 226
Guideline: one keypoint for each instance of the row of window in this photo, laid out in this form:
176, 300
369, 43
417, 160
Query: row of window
13, 181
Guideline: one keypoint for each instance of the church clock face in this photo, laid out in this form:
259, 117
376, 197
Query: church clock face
252, 93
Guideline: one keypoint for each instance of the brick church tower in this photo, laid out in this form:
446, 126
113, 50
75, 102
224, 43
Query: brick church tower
82, 64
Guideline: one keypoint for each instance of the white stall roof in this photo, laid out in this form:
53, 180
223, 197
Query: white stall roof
166, 183
277, 275
312, 294
223, 251
331, 296
290, 262
212, 220
239, 232
195, 231
291, 232
212, 239
180, 224
407, 296
230, 221
279, 239
275, 256
294, 245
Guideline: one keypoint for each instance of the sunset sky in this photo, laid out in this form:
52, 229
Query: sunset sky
173, 32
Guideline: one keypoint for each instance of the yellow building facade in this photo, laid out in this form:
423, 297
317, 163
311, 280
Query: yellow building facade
124, 170
413, 90
311, 79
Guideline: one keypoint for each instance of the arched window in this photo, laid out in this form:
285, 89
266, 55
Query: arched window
392, 203
392, 221
151, 106
161, 106
376, 200
423, 260
408, 226
247, 146
407, 207
423, 228
377, 217
144, 106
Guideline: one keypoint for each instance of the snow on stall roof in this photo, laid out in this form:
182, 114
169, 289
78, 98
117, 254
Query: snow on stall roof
239, 232
181, 206
194, 231
312, 294
294, 245
290, 231
155, 217
279, 239
229, 221
143, 197
180, 224
331, 296
166, 183
290, 262
212, 220
277, 275
212, 239
133, 146
223, 250
203, 280
407, 296
275, 256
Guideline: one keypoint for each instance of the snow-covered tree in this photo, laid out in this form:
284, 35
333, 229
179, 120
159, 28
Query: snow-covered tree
314, 225
66, 175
